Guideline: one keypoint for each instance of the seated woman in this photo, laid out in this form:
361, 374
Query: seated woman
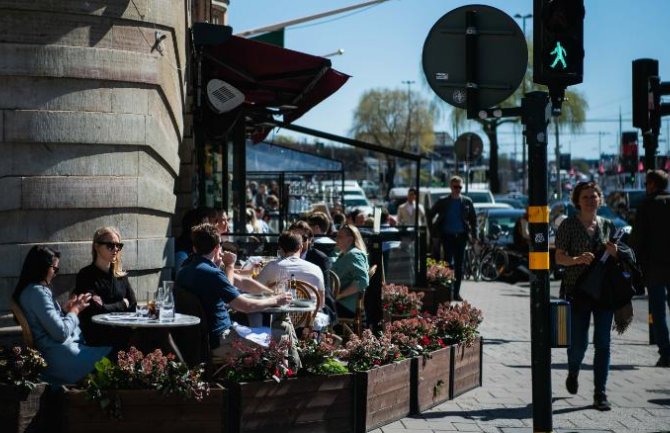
352, 268
55, 330
108, 284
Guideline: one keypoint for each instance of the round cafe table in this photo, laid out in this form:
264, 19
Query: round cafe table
131, 320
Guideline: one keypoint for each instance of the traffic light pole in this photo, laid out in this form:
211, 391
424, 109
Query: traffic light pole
536, 108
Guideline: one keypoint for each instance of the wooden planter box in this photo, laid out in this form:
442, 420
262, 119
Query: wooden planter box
21, 411
382, 395
302, 404
467, 368
144, 411
431, 379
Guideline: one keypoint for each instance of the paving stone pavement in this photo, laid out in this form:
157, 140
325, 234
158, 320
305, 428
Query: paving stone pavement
638, 391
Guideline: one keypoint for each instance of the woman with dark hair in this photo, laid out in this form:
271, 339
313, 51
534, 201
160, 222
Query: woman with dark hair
579, 240
55, 329
108, 284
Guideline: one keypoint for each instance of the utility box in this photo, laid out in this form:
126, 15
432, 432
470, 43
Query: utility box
559, 314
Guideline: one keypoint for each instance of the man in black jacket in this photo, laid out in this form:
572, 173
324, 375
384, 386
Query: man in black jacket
456, 221
651, 238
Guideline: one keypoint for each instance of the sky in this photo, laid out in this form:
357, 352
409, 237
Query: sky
383, 45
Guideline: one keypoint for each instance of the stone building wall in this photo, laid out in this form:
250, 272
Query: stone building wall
91, 123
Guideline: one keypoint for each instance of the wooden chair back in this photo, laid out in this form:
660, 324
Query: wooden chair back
25, 327
335, 285
305, 290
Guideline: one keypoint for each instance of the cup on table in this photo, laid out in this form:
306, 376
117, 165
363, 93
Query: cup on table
167, 302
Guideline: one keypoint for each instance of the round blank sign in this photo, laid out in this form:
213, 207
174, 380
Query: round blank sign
468, 146
501, 56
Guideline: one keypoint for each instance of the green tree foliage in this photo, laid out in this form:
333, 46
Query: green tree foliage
396, 119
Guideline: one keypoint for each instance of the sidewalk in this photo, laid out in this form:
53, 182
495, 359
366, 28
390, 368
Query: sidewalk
638, 391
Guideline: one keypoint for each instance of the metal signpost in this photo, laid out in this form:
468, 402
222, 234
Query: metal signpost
475, 57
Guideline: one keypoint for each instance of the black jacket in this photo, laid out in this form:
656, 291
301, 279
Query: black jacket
651, 238
442, 207
323, 261
112, 291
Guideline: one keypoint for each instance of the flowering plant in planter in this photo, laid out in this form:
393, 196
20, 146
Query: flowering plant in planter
367, 351
399, 301
415, 336
254, 363
439, 273
318, 356
458, 323
134, 370
21, 367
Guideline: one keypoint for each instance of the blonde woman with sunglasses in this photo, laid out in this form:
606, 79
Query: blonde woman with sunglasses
109, 287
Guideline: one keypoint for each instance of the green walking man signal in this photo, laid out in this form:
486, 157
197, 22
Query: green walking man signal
560, 54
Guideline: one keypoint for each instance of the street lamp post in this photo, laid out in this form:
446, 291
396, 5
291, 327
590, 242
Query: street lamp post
408, 131
523, 19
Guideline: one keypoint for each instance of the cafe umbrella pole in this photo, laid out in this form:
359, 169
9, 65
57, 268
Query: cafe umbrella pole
536, 109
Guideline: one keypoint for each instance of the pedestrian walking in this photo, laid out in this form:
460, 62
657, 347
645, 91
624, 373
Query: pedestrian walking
456, 222
651, 237
579, 240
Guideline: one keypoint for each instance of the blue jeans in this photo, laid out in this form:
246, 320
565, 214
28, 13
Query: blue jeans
658, 296
602, 325
454, 254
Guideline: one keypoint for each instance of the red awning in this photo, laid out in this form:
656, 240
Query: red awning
274, 80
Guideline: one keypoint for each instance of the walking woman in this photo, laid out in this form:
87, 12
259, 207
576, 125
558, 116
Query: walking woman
351, 267
579, 240
55, 330
108, 284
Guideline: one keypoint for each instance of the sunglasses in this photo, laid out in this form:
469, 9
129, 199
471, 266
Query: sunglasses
55, 268
456, 187
111, 245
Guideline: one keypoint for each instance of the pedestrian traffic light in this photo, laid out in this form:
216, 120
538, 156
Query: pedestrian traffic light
629, 152
558, 42
643, 69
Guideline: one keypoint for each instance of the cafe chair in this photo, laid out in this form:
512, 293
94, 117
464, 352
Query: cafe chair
192, 341
305, 290
334, 282
23, 322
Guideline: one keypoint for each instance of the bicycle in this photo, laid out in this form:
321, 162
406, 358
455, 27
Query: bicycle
494, 259
471, 264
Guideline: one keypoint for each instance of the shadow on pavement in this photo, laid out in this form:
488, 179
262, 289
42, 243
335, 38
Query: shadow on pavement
485, 414
497, 341
586, 367
660, 401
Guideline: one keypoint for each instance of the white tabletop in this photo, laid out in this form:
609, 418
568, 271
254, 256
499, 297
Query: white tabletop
130, 320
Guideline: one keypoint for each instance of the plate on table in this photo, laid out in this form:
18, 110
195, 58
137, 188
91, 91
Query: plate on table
117, 317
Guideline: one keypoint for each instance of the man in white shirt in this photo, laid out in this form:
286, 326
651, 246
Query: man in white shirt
406, 211
290, 263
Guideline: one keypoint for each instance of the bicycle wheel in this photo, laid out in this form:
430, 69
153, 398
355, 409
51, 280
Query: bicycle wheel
493, 264
471, 267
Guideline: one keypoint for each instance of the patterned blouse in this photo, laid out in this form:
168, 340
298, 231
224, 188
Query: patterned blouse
573, 238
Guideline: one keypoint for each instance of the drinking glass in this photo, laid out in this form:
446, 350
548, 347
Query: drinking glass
167, 302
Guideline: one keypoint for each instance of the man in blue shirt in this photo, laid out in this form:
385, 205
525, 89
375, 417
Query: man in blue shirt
204, 278
456, 221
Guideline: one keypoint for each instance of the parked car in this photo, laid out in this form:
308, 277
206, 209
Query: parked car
568, 209
517, 201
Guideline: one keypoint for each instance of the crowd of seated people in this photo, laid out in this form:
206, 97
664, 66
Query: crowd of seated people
72, 343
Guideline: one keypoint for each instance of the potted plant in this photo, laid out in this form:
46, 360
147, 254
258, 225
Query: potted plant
20, 388
440, 277
139, 391
399, 302
269, 395
381, 380
458, 324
